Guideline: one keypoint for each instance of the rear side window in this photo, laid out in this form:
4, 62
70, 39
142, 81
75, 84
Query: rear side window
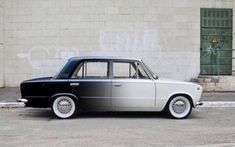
91, 70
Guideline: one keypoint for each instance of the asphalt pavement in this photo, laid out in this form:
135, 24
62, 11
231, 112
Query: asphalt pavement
9, 94
205, 127
211, 125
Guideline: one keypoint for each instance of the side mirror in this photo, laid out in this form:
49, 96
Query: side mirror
155, 76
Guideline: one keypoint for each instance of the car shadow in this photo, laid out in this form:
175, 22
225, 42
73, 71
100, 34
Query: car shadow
125, 114
41, 113
48, 114
38, 113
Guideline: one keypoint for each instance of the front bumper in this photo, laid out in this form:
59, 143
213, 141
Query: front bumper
22, 100
199, 103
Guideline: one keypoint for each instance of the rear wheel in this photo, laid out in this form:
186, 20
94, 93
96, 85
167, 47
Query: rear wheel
179, 107
64, 107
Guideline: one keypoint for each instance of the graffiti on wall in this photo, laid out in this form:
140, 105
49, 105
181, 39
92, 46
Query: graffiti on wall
135, 43
142, 44
47, 56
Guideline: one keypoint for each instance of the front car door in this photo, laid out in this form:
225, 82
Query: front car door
92, 84
132, 88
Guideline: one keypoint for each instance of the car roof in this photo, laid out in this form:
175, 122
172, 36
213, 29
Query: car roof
103, 58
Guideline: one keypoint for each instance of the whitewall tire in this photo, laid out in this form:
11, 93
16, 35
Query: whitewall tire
64, 107
179, 107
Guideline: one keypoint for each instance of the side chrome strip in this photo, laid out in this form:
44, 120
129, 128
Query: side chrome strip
89, 80
94, 97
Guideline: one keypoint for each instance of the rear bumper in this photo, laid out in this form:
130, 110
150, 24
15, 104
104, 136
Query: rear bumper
35, 102
22, 100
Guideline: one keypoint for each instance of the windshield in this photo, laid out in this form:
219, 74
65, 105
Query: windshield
152, 73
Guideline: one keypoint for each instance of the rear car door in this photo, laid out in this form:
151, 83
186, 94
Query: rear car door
91, 83
131, 86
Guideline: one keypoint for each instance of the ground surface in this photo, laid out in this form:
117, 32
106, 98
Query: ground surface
9, 94
38, 127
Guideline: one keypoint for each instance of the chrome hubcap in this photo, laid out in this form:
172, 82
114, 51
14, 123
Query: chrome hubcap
179, 106
64, 106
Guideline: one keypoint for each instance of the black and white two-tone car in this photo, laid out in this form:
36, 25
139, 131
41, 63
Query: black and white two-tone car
109, 84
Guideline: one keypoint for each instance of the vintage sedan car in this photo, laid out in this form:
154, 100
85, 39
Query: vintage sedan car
109, 84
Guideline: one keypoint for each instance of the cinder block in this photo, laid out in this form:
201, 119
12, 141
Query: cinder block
125, 10
209, 86
61, 3
185, 3
77, 3
119, 3
224, 79
10, 11
111, 10
53, 11
1, 66
223, 87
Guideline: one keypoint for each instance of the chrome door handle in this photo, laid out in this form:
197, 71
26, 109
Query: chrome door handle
74, 84
117, 84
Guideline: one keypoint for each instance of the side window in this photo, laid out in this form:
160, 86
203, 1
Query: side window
123, 70
91, 70
96, 70
128, 70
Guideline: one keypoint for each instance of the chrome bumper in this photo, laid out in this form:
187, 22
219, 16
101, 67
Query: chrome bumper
22, 100
199, 103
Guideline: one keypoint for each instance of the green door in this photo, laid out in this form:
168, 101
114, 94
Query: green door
216, 41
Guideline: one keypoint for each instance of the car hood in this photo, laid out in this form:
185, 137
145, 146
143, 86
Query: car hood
162, 80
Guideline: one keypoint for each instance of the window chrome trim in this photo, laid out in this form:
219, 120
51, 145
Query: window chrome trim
110, 69
133, 80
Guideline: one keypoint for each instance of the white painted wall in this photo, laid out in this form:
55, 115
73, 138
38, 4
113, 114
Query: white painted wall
40, 35
1, 46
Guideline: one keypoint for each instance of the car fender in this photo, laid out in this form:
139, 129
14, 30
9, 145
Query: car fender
64, 94
181, 93
161, 102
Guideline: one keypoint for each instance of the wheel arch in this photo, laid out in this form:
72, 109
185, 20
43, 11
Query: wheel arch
63, 94
187, 95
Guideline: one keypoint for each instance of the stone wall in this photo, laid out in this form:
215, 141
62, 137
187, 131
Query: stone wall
217, 83
40, 35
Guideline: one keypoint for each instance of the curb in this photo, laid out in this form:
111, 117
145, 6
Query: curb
218, 104
12, 105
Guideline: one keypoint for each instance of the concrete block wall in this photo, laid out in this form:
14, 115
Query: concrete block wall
40, 35
1, 46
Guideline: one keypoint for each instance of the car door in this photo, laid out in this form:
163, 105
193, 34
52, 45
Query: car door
91, 83
131, 86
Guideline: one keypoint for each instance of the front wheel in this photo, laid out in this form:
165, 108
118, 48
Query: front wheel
179, 107
64, 107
